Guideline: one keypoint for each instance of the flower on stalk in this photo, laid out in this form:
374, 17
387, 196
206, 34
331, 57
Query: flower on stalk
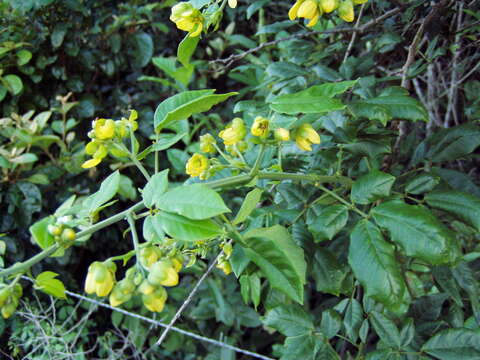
260, 127
328, 6
122, 292
163, 273
234, 132
308, 9
197, 165
155, 301
305, 136
187, 18
207, 143
100, 278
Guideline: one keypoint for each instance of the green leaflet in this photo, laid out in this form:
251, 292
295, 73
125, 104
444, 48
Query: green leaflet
373, 262
418, 232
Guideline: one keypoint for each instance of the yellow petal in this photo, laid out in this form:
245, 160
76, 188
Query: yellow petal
292, 13
308, 9
198, 30
91, 163
314, 20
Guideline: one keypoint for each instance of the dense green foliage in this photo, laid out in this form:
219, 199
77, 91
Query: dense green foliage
366, 247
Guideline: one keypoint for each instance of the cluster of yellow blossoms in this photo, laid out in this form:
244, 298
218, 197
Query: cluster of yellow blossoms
9, 297
233, 138
313, 9
107, 135
161, 272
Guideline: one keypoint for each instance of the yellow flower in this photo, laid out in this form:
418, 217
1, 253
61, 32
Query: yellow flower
357, 2
234, 132
260, 127
100, 278
91, 147
308, 9
196, 165
207, 143
282, 134
104, 129
163, 273
232, 3
122, 292
177, 262
225, 266
146, 288
149, 256
187, 18
91, 163
345, 10
156, 300
305, 136
328, 6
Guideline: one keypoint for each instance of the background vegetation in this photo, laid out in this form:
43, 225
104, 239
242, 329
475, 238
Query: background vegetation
64, 63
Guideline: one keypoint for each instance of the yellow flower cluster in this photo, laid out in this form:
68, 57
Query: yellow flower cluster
9, 297
305, 136
105, 133
187, 18
313, 9
161, 272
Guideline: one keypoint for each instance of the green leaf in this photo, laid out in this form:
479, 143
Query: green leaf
150, 231
290, 320
454, 344
453, 143
13, 83
309, 101
371, 187
308, 347
40, 233
464, 206
184, 104
167, 141
386, 329
3, 92
182, 228
328, 273
329, 222
239, 260
47, 283
255, 289
143, 49
186, 48
248, 205
373, 262
155, 188
195, 202
353, 319
331, 323
24, 158
107, 191
390, 105
418, 232
422, 184
408, 333
23, 57
280, 259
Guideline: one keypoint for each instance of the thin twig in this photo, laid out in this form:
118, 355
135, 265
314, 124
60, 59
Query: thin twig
354, 35
233, 58
188, 300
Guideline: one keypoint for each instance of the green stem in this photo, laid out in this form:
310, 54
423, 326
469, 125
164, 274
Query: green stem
343, 201
304, 177
140, 166
258, 162
21, 267
136, 246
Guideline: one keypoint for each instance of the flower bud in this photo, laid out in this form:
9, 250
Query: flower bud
100, 279
196, 165
91, 163
282, 134
149, 255
68, 235
308, 9
227, 249
207, 143
4, 294
155, 301
187, 18
232, 3
260, 127
305, 136
9, 308
345, 10
177, 262
54, 230
225, 266
91, 147
146, 287
328, 6
163, 273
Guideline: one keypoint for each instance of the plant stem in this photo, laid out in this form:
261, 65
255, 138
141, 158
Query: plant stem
342, 200
140, 166
305, 177
258, 162
23, 266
